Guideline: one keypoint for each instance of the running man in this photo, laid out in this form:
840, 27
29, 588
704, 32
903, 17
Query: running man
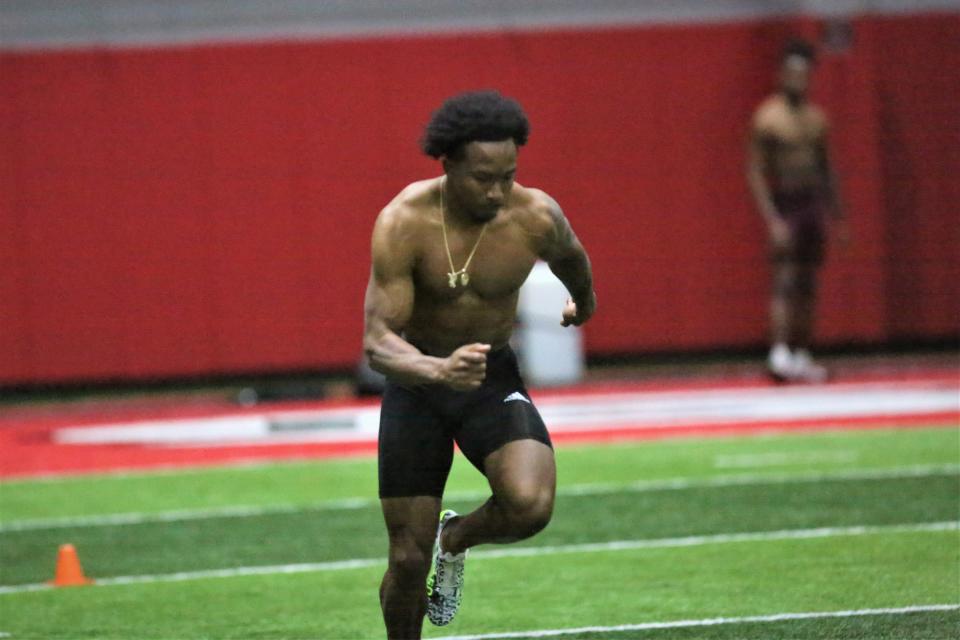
794, 186
449, 256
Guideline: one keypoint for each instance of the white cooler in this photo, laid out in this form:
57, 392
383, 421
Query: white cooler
549, 354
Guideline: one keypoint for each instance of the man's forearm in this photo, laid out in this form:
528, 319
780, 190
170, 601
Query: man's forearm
761, 195
576, 275
400, 361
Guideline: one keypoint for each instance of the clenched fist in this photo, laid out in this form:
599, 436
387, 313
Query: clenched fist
465, 368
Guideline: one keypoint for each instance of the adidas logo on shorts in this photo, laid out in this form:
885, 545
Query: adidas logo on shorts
516, 395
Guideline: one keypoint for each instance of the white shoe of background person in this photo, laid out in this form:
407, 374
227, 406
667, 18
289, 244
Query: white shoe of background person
780, 363
806, 370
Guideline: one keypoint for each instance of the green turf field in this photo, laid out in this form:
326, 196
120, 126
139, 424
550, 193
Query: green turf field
652, 532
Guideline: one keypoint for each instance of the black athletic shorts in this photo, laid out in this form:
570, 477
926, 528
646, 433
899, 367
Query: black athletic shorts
803, 212
420, 423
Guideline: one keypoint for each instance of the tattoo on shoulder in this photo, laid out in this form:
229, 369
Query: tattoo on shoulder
561, 234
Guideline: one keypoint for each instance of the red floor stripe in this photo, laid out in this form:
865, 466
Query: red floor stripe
27, 450
46, 458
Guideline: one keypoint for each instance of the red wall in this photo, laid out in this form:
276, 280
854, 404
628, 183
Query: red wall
207, 209
918, 96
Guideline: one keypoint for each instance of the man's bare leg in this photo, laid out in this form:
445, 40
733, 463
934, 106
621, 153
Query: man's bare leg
411, 527
523, 477
804, 307
806, 301
783, 319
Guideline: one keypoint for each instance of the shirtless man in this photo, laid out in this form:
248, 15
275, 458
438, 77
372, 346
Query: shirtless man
449, 255
794, 186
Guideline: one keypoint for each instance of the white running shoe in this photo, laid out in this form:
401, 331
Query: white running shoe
445, 582
780, 363
806, 370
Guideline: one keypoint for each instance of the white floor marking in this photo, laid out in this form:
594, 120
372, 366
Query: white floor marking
170, 469
669, 484
722, 538
783, 458
519, 552
710, 622
180, 515
583, 412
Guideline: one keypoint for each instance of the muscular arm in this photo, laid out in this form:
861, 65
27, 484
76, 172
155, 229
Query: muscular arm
757, 170
388, 305
568, 260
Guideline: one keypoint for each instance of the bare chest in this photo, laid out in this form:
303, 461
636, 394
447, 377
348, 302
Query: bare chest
499, 266
796, 131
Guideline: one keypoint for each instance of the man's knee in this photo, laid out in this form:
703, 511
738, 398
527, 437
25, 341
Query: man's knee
794, 281
409, 561
806, 282
529, 510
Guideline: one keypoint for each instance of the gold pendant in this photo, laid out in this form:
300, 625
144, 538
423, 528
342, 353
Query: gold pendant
452, 279
464, 279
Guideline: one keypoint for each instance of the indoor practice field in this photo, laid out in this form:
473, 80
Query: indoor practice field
833, 533
698, 261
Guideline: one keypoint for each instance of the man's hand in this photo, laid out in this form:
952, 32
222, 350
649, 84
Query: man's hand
572, 315
781, 237
465, 368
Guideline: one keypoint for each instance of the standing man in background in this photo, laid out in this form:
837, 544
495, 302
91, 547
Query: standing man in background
795, 188
449, 256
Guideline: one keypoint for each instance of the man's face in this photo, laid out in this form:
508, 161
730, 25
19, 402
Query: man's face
795, 76
482, 177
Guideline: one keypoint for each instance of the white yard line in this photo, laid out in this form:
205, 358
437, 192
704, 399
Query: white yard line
721, 538
781, 458
669, 484
521, 552
709, 622
134, 518
663, 410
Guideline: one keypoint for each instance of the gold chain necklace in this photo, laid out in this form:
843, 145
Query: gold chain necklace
455, 273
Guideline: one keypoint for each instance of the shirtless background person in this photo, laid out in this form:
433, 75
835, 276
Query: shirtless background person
449, 255
794, 186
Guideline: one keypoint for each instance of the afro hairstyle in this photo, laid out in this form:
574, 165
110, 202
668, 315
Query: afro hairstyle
476, 116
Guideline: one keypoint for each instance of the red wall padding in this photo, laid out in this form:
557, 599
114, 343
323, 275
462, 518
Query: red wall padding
202, 210
918, 96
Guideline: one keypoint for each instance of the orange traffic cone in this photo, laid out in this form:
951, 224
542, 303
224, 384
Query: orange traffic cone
69, 571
